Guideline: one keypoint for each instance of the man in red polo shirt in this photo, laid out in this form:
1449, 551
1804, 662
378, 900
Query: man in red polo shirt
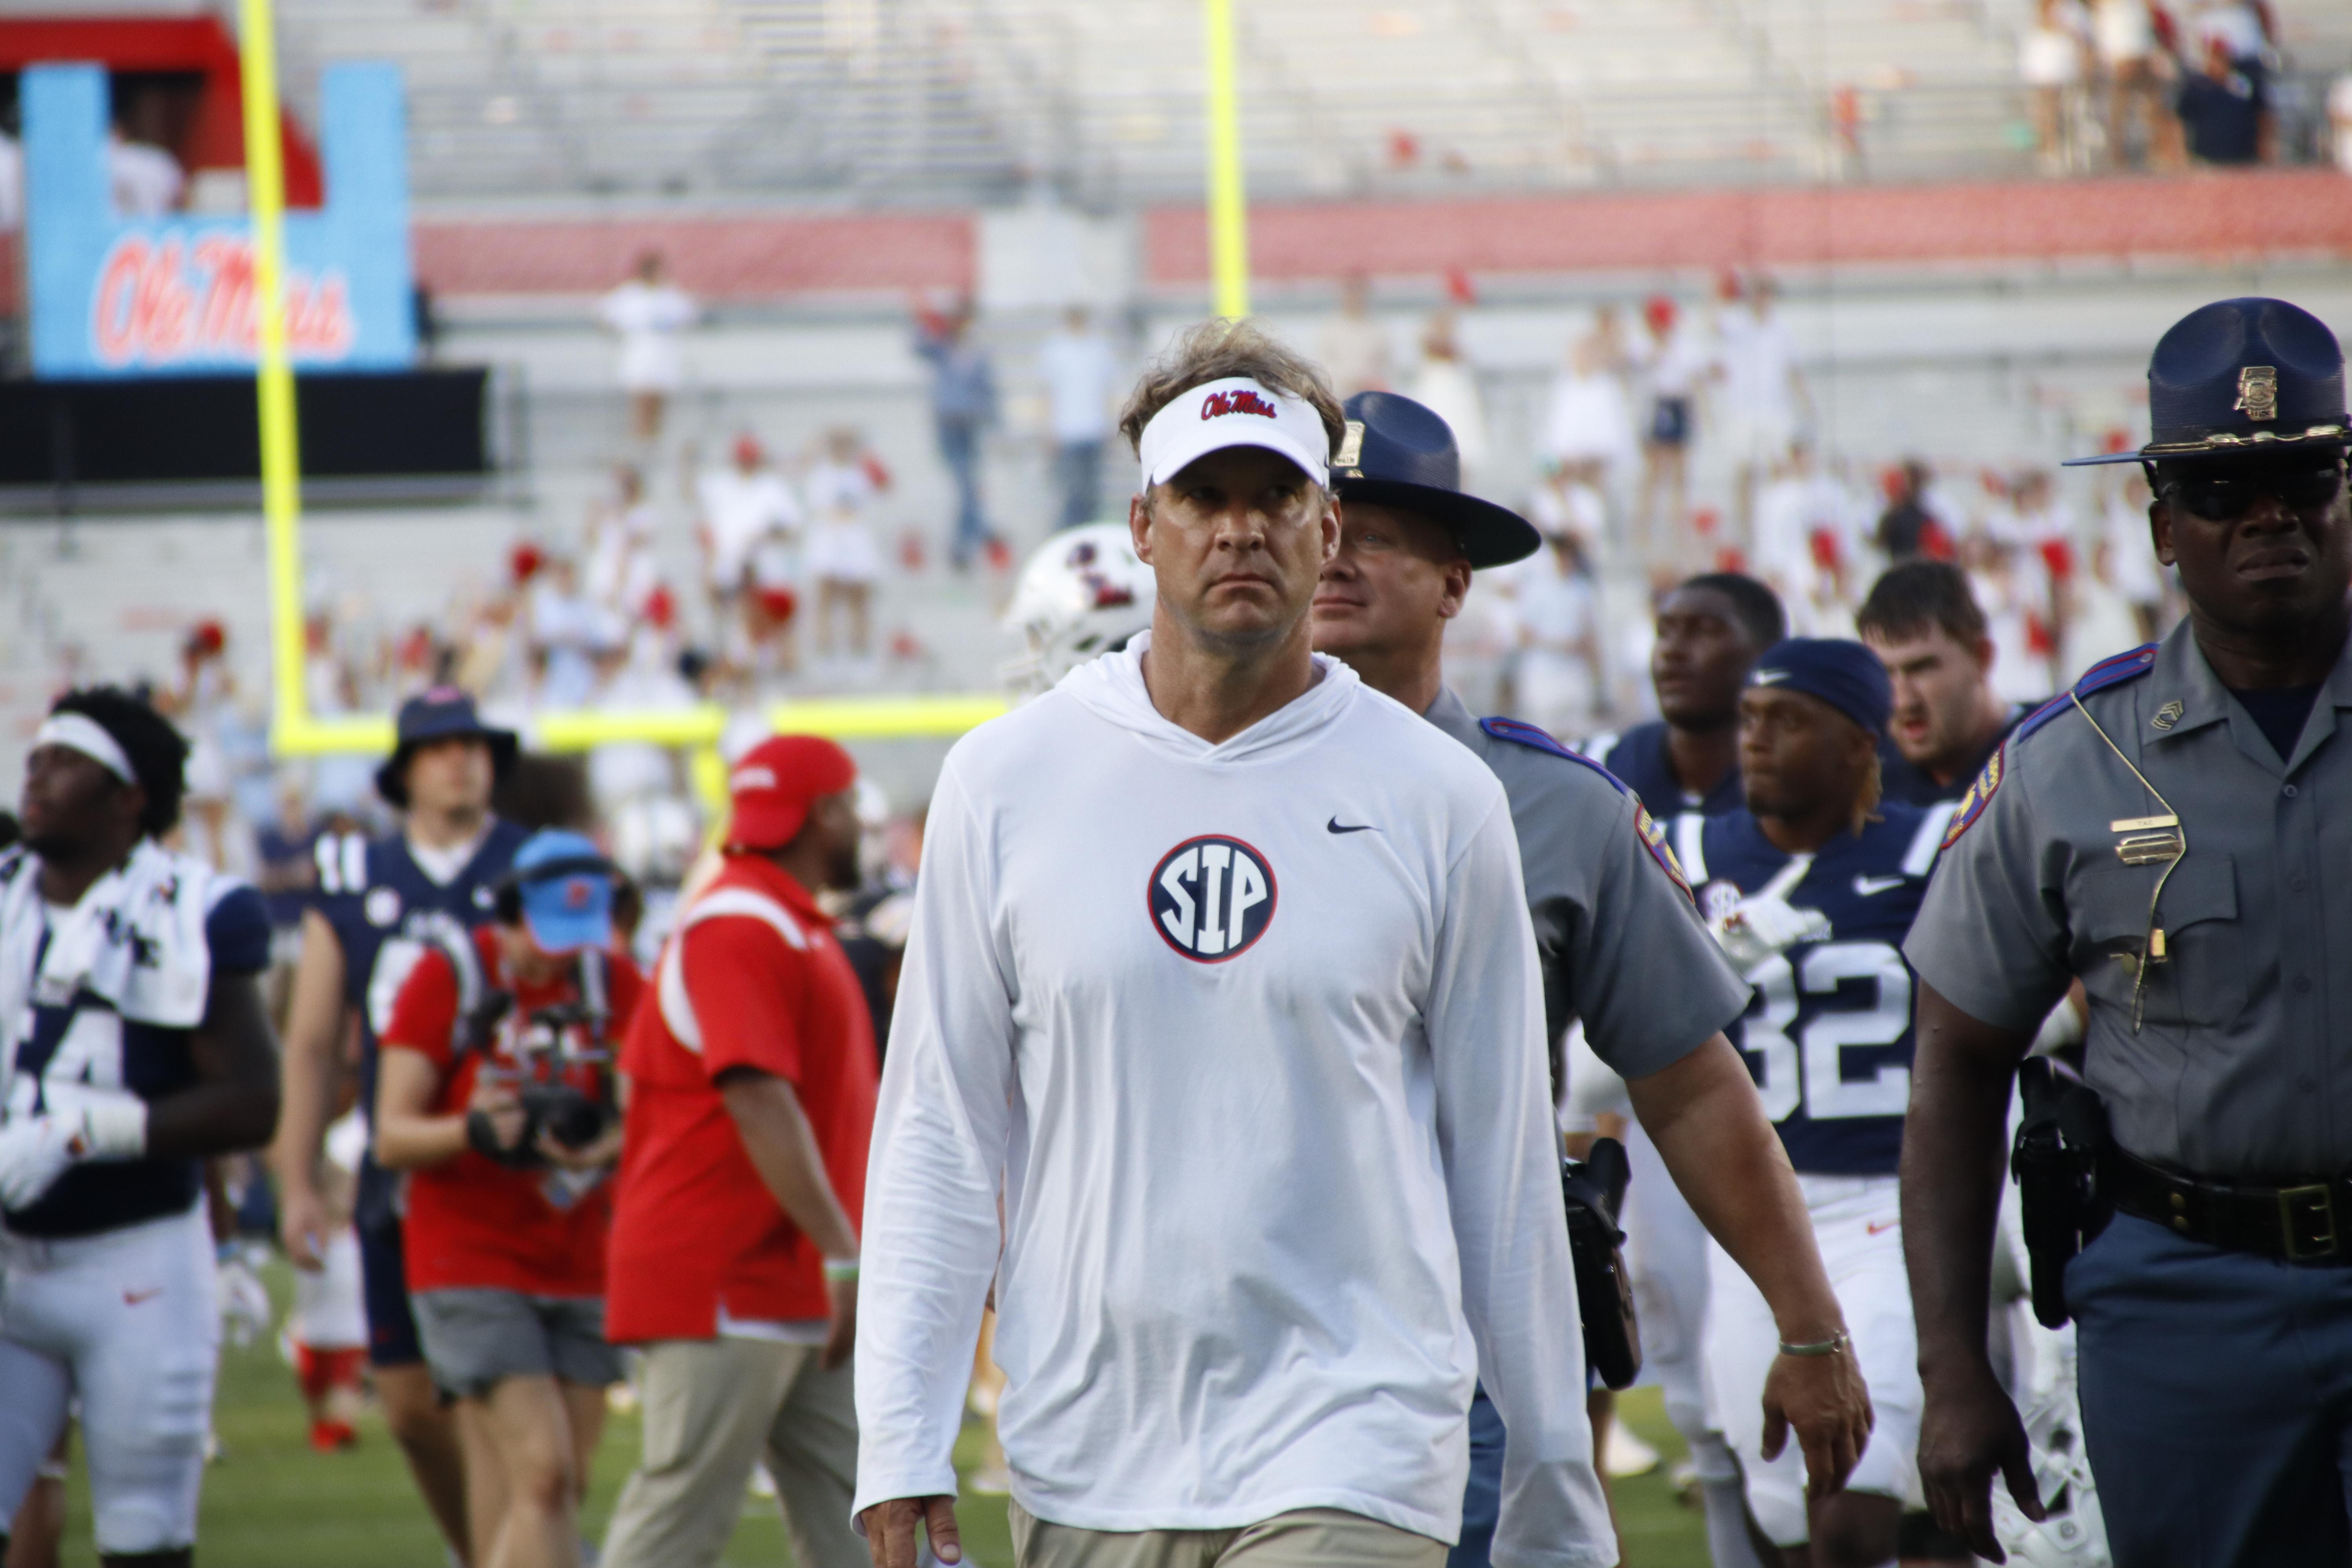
734, 1252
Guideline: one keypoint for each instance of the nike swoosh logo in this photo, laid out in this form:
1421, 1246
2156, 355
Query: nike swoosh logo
1880, 1227
1866, 886
132, 1297
1336, 826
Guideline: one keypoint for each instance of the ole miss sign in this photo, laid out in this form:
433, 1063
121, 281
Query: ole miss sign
117, 296
175, 302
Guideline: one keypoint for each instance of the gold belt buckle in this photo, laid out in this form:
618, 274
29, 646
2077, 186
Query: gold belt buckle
2307, 1222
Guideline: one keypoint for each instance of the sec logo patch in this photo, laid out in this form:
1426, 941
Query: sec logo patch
381, 906
1211, 898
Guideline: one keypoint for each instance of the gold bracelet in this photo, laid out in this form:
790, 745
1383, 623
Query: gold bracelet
1834, 1345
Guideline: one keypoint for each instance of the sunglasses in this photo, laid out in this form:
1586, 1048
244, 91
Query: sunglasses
2218, 498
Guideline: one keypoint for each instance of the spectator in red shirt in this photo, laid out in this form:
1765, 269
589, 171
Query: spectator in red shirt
751, 1084
494, 1094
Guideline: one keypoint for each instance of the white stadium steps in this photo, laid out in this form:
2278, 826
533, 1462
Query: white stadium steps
960, 99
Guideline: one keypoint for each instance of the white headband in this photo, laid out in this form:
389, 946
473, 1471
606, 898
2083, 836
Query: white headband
81, 733
1235, 412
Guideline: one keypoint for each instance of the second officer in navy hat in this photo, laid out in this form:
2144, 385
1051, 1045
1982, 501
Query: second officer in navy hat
1620, 944
2173, 832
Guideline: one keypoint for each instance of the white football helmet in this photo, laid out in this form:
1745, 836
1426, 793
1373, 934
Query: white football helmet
1083, 592
2074, 1535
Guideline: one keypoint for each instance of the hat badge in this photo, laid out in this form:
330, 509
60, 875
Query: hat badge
1351, 448
2258, 392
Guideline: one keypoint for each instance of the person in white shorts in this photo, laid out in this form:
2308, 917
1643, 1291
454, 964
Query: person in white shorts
649, 314
745, 507
1759, 407
841, 489
1221, 979
133, 1046
1811, 888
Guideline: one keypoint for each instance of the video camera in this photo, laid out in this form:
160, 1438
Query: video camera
552, 1048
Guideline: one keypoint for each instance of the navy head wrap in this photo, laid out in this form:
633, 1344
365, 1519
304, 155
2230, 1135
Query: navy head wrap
1843, 673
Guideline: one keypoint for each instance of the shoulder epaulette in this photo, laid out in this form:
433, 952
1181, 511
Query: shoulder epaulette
2107, 672
1647, 828
1525, 735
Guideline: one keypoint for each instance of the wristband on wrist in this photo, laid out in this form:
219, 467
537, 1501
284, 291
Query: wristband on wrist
112, 1130
1835, 1344
839, 1268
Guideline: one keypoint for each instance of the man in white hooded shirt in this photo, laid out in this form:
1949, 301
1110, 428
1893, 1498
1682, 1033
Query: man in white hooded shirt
1221, 972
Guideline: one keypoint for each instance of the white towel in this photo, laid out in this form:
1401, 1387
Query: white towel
136, 941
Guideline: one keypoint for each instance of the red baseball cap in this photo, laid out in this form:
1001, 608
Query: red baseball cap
774, 783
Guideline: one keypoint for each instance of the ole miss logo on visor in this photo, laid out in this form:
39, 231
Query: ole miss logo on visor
1211, 898
1242, 402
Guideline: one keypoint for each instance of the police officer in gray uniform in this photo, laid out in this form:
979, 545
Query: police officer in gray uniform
1621, 945
2174, 832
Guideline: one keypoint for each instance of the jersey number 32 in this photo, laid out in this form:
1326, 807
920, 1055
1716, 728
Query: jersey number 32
1807, 1069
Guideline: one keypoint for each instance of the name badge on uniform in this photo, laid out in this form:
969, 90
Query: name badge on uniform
2149, 840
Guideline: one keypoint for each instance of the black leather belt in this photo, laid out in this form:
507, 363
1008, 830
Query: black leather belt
2309, 1222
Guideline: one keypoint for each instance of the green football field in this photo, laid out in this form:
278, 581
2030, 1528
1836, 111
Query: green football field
270, 1502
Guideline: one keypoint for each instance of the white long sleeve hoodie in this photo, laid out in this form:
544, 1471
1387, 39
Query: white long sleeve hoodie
1251, 1036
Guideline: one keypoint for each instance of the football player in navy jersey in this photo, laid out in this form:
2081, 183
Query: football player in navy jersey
381, 905
133, 1046
1710, 631
1810, 888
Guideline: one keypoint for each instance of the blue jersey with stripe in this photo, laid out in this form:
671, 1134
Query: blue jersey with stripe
1827, 1033
387, 912
1639, 757
85, 1042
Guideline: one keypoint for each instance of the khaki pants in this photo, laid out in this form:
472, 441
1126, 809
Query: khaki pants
712, 1407
1307, 1537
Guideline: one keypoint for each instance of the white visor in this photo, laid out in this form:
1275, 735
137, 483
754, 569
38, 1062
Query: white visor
81, 733
1235, 412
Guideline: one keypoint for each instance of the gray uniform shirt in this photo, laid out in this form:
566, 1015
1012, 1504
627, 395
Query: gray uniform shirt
2242, 1067
1618, 940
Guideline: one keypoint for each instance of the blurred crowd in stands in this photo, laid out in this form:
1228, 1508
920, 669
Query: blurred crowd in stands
789, 547
2118, 84
1630, 405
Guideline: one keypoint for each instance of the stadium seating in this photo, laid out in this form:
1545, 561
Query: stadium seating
958, 99
521, 105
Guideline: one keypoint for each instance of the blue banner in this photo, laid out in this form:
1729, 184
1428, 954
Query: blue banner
111, 296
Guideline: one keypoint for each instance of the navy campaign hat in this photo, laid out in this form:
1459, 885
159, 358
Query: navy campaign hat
1398, 453
438, 714
2241, 378
1841, 672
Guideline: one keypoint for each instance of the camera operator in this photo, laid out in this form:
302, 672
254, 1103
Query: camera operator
496, 1095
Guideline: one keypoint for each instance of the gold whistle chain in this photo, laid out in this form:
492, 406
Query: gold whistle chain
2152, 945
